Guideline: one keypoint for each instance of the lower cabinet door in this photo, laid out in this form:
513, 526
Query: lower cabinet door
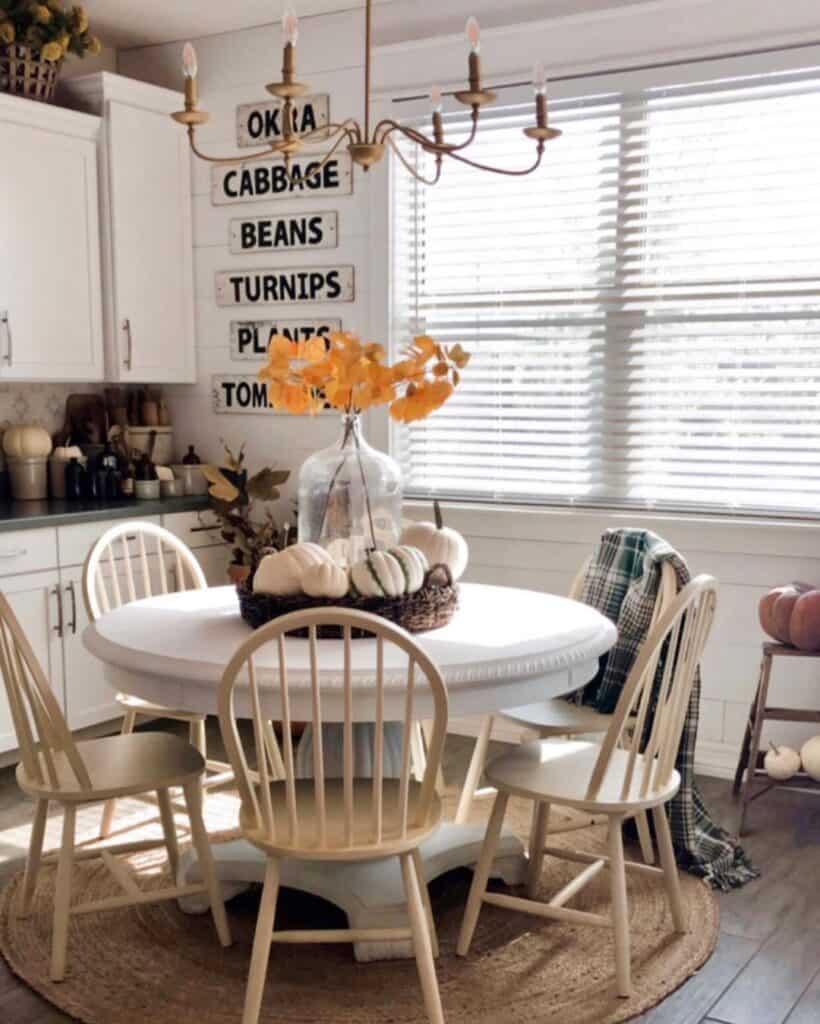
89, 698
34, 598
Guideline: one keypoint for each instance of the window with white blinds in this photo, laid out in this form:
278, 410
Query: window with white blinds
643, 312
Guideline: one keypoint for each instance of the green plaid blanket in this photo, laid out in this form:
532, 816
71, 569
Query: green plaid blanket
622, 582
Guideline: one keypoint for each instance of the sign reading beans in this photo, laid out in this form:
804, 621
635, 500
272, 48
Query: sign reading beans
280, 285
264, 122
282, 234
270, 179
250, 338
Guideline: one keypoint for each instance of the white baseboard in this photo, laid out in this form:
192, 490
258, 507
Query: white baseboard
714, 759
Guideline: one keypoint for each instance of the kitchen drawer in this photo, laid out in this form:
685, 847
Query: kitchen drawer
27, 551
188, 527
75, 541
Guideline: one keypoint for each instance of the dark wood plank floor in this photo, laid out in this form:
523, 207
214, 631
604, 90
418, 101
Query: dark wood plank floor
765, 970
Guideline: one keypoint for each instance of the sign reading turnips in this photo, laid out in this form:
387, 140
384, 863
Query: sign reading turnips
282, 285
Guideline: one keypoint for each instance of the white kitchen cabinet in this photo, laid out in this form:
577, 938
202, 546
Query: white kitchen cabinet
145, 203
33, 598
50, 296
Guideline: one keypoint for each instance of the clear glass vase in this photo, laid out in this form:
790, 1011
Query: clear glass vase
350, 497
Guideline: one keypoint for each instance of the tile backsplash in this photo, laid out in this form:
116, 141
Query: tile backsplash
38, 403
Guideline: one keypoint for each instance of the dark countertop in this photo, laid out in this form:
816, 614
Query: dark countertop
31, 515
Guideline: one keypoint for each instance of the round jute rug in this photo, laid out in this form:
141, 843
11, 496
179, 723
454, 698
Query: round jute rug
155, 964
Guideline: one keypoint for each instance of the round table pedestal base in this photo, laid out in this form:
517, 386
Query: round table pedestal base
369, 892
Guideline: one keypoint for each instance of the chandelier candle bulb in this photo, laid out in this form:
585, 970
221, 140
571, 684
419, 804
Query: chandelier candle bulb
435, 99
189, 69
290, 26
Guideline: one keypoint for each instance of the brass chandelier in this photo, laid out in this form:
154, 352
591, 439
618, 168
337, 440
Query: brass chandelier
367, 147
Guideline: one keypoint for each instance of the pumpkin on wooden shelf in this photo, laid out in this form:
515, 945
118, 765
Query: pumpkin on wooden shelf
27, 441
781, 763
810, 756
281, 572
325, 579
439, 544
776, 613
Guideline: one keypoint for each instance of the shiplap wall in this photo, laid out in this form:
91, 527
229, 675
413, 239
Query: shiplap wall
523, 547
233, 69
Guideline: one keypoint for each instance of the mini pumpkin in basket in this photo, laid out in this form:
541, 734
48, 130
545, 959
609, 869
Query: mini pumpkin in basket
398, 584
35, 39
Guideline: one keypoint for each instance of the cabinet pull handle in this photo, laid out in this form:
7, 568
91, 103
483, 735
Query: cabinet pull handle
17, 553
72, 593
4, 319
59, 628
129, 344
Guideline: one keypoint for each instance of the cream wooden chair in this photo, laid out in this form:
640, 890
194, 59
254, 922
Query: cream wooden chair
607, 779
336, 819
55, 768
130, 561
559, 717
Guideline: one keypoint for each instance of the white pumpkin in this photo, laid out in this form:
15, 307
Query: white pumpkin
439, 543
65, 453
810, 756
281, 573
781, 763
414, 566
27, 441
379, 574
325, 579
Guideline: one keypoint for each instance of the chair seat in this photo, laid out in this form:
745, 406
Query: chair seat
561, 717
558, 771
147, 708
306, 842
119, 766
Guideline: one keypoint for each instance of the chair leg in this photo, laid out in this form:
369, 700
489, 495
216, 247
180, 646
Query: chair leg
193, 801
481, 874
197, 734
261, 944
422, 946
62, 895
35, 851
425, 897
538, 838
645, 838
465, 800
620, 908
670, 868
169, 831
128, 723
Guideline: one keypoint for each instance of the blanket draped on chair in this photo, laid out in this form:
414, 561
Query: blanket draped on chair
622, 582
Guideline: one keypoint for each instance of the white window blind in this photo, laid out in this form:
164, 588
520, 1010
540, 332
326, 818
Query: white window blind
643, 312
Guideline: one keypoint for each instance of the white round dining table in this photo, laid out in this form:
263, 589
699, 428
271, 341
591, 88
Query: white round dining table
504, 647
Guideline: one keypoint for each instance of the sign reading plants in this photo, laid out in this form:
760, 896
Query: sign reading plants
263, 122
250, 338
295, 284
269, 179
292, 231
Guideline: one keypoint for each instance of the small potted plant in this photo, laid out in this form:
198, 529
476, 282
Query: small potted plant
233, 492
35, 38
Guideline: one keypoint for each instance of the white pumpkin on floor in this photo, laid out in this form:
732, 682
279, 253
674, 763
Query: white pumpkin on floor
810, 756
281, 573
440, 544
781, 763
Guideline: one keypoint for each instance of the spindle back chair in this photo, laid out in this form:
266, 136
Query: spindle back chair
55, 767
131, 561
347, 818
611, 779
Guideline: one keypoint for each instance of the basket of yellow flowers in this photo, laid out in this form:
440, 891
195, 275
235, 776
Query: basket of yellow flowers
34, 40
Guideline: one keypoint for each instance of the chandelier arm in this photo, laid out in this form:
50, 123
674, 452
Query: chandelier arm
388, 126
513, 173
409, 167
324, 134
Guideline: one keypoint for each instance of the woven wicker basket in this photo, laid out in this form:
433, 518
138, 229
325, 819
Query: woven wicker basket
24, 73
429, 608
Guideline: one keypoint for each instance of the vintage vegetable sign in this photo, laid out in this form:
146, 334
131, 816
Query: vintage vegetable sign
284, 285
263, 122
269, 179
286, 233
250, 338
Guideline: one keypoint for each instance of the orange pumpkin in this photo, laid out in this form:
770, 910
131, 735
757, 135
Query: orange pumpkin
777, 615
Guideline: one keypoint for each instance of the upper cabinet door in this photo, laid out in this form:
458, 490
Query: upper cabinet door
149, 186
50, 305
